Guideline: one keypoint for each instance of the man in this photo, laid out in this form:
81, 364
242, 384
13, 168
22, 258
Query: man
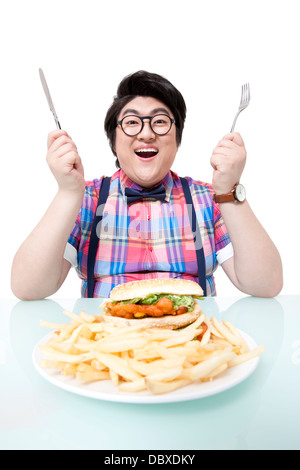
144, 235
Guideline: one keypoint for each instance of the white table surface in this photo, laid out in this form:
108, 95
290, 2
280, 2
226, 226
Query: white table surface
263, 412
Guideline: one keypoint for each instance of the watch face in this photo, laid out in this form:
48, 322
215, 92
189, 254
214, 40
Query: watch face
240, 193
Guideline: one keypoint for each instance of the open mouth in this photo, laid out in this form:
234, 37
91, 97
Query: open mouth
146, 153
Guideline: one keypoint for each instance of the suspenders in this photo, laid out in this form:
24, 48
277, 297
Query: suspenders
197, 237
94, 240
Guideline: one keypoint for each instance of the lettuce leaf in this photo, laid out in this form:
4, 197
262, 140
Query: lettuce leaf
182, 301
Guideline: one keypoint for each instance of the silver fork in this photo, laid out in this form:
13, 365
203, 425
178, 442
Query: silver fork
245, 99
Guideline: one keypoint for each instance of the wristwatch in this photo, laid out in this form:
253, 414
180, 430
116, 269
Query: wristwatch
238, 194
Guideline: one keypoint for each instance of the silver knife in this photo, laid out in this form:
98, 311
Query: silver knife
49, 99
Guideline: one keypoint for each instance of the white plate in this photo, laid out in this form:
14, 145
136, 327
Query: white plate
106, 390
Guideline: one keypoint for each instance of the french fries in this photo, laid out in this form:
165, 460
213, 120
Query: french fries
137, 359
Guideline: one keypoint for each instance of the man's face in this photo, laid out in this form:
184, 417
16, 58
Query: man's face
146, 168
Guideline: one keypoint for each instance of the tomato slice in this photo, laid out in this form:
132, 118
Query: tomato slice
204, 330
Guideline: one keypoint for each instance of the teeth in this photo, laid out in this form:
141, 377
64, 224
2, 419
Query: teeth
147, 150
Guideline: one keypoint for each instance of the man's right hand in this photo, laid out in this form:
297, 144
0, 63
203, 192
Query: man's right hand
64, 162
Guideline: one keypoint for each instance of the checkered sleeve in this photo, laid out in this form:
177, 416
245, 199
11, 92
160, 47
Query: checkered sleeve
73, 242
223, 243
220, 241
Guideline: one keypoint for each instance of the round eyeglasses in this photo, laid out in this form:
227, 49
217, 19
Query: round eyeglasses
132, 125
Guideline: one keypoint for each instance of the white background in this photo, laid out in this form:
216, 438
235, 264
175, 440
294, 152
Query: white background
208, 49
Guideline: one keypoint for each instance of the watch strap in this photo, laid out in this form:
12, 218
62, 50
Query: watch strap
229, 197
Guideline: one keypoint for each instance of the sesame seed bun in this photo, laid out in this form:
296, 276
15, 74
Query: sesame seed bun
140, 289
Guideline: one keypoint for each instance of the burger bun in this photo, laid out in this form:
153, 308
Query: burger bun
140, 289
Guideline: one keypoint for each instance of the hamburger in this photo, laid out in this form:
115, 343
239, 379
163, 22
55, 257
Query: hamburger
154, 303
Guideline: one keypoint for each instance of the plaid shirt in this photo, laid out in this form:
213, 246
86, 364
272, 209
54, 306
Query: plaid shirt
148, 239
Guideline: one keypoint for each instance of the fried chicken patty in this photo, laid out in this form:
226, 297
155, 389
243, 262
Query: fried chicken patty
163, 307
